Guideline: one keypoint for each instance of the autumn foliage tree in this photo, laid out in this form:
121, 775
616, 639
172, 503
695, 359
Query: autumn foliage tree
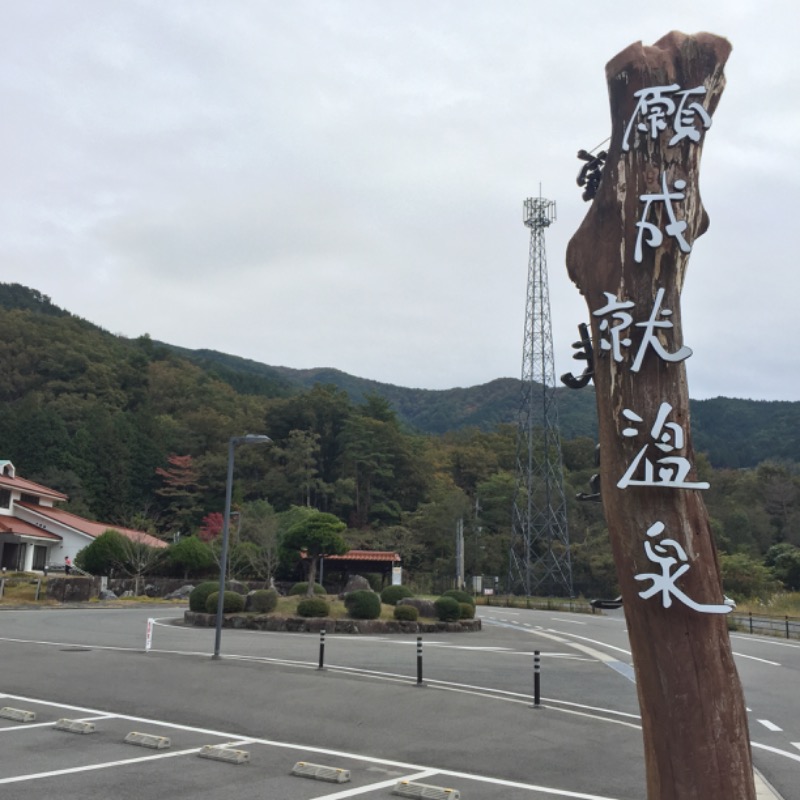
180, 490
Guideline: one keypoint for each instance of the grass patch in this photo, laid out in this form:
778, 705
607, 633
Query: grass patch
139, 600
21, 588
783, 604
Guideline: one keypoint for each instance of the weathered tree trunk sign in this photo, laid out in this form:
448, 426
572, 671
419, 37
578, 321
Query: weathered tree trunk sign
629, 259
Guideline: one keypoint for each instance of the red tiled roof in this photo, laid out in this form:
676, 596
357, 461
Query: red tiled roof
29, 487
90, 528
22, 528
365, 555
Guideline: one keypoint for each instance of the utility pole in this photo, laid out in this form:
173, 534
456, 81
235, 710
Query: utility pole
539, 557
460, 553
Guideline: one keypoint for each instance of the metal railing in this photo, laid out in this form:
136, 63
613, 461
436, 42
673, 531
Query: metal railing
574, 604
786, 627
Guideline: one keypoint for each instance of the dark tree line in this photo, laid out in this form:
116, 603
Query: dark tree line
137, 436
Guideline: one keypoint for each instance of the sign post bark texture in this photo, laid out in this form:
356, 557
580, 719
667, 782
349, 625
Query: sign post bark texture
629, 260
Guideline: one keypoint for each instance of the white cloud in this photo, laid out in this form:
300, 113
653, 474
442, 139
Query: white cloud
341, 183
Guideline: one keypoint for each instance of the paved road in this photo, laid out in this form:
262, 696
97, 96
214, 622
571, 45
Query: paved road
470, 727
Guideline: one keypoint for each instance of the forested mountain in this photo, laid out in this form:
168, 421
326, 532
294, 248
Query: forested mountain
135, 432
731, 432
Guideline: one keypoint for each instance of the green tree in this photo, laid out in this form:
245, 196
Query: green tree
743, 576
299, 455
139, 559
784, 560
191, 555
259, 529
434, 525
101, 556
318, 534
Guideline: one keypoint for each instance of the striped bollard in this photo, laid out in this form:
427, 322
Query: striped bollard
537, 694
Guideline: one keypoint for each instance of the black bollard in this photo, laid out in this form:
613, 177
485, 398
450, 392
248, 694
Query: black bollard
419, 661
322, 648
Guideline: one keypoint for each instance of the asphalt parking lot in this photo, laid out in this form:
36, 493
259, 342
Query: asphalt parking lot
469, 728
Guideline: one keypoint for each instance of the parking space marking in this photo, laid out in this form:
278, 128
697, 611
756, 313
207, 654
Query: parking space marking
428, 773
89, 768
232, 740
27, 726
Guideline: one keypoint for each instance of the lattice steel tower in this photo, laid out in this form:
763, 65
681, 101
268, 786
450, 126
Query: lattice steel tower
539, 559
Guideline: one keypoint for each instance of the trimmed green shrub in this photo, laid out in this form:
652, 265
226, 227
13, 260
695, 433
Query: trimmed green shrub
302, 588
262, 601
466, 611
406, 613
447, 609
391, 594
460, 595
363, 604
199, 595
375, 580
232, 603
313, 607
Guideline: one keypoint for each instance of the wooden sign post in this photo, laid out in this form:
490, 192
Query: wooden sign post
629, 259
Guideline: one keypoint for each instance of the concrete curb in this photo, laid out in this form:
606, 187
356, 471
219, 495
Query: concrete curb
764, 790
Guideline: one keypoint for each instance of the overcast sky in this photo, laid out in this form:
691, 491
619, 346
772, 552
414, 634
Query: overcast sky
314, 183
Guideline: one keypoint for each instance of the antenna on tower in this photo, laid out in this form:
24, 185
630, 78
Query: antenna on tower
539, 557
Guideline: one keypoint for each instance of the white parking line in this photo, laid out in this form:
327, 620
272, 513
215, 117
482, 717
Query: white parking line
776, 750
89, 768
754, 658
770, 726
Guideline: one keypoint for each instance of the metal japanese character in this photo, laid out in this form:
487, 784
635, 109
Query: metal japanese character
668, 554
585, 352
673, 471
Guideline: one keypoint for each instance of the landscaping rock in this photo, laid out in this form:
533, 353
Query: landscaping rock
106, 594
426, 608
357, 583
180, 594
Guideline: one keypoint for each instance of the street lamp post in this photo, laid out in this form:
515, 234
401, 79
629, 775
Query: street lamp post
250, 438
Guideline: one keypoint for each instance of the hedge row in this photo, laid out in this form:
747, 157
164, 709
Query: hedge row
452, 606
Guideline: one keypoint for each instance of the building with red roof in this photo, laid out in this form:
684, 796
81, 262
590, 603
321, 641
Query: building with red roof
35, 534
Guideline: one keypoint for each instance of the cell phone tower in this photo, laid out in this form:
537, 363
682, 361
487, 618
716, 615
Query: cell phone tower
539, 557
